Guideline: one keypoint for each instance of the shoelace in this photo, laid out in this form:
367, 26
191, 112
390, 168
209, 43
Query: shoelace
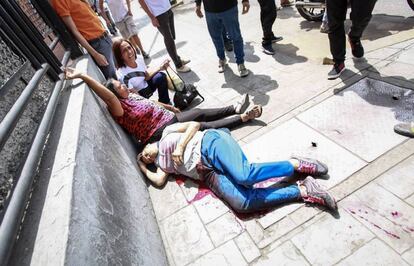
307, 167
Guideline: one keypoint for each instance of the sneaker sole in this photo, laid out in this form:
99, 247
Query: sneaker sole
278, 40
337, 75
268, 52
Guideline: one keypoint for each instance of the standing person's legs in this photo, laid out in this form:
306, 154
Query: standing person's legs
230, 19
215, 28
226, 157
167, 31
159, 82
361, 13
268, 16
336, 16
104, 47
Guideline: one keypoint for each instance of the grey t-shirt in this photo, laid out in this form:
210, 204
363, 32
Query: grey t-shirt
191, 156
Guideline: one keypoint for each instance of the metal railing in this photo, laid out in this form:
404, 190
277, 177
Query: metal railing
28, 31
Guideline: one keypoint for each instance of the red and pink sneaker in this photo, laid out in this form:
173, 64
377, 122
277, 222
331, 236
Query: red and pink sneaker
315, 194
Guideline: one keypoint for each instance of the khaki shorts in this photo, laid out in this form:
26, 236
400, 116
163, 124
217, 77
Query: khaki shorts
127, 27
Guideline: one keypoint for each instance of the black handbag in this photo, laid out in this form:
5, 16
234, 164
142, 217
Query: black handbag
185, 96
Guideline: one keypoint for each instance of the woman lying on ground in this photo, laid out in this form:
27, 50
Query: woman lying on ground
146, 119
215, 158
135, 75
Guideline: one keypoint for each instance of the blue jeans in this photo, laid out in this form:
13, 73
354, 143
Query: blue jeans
227, 172
157, 82
230, 20
104, 47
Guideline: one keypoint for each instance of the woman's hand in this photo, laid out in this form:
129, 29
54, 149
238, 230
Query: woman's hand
141, 164
175, 110
71, 73
177, 155
165, 64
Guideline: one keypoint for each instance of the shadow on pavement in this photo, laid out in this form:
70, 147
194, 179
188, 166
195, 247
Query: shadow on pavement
286, 54
382, 25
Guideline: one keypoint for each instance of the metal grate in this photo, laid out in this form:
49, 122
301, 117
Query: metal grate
36, 19
10, 62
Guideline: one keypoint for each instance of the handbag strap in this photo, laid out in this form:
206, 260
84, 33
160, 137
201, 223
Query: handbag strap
133, 75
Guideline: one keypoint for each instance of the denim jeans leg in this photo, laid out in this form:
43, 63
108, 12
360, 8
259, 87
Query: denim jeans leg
159, 82
230, 20
246, 199
104, 47
217, 147
215, 28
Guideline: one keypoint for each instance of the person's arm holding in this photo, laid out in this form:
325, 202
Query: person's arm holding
103, 13
106, 95
189, 129
158, 178
246, 6
169, 107
152, 71
198, 11
154, 20
128, 2
99, 58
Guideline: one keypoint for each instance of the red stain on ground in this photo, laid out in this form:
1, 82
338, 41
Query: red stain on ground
202, 192
396, 214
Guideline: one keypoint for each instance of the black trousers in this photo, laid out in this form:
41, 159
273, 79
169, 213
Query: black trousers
268, 16
167, 30
208, 118
361, 13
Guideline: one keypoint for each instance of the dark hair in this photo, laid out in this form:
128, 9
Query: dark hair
109, 84
116, 48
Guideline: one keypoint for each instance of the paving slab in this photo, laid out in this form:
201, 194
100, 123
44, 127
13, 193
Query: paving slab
225, 255
186, 236
399, 180
295, 138
390, 218
330, 240
287, 255
224, 228
247, 247
409, 256
384, 255
368, 99
210, 208
167, 200
410, 200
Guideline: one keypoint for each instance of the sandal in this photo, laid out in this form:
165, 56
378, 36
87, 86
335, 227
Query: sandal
255, 112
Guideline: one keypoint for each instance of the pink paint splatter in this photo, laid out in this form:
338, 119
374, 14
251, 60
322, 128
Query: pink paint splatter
202, 192
396, 214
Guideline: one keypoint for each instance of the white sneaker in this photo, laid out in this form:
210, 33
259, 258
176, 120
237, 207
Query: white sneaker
222, 65
185, 61
243, 70
183, 69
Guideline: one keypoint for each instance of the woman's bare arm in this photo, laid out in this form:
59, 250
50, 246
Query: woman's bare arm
106, 95
158, 178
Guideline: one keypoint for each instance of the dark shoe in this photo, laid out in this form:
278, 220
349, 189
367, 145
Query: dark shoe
315, 194
357, 48
311, 166
242, 70
228, 45
336, 71
405, 129
276, 39
145, 55
268, 49
242, 104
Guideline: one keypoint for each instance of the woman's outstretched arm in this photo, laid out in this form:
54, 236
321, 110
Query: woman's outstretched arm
106, 95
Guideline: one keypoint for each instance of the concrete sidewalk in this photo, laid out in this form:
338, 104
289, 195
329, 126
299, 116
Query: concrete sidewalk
349, 120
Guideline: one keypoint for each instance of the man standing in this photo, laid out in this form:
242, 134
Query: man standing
268, 16
159, 11
87, 29
124, 21
360, 16
219, 13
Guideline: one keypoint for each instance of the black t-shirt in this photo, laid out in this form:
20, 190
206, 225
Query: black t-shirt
217, 6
